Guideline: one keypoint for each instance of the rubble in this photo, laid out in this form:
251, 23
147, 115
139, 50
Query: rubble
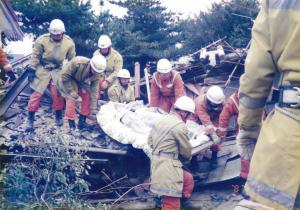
100, 144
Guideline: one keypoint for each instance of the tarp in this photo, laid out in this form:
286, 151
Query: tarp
131, 124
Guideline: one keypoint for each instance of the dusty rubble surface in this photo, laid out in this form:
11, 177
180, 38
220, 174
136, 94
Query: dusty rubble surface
220, 196
44, 123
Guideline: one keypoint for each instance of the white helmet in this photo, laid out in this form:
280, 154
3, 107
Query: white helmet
215, 95
185, 103
104, 41
164, 66
57, 27
123, 73
98, 63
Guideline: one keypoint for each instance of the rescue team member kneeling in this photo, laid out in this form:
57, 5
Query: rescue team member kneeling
166, 86
122, 91
79, 82
170, 143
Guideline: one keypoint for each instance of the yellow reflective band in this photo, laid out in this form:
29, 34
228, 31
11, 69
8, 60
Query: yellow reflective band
272, 194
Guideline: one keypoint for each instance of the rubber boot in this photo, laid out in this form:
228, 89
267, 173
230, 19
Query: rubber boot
214, 160
73, 130
82, 125
30, 123
81, 122
58, 118
72, 124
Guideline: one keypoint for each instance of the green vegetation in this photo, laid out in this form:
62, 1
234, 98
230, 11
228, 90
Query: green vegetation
50, 175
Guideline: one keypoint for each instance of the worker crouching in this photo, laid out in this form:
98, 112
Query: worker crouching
208, 109
122, 91
114, 62
79, 83
170, 143
166, 86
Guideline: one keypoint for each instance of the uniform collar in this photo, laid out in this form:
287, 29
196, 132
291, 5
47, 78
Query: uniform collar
176, 115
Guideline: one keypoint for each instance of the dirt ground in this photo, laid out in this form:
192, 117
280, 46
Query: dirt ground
219, 197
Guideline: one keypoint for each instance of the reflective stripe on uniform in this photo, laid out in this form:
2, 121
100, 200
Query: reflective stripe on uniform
252, 103
234, 102
271, 193
284, 4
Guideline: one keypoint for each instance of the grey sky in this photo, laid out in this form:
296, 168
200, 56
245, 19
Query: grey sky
188, 8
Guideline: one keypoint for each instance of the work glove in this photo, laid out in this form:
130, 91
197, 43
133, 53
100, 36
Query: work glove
11, 75
221, 133
246, 141
210, 129
31, 74
215, 138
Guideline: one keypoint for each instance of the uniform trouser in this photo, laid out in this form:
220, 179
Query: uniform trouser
36, 97
274, 176
70, 112
173, 203
245, 165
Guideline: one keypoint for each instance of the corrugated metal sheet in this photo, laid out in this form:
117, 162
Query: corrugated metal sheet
9, 22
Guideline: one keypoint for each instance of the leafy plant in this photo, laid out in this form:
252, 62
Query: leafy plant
49, 175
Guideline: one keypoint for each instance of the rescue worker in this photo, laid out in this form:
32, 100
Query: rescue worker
114, 62
208, 109
274, 176
230, 109
122, 91
49, 52
6, 66
78, 82
170, 146
166, 86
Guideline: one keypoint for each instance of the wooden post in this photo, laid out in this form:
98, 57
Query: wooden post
147, 82
137, 79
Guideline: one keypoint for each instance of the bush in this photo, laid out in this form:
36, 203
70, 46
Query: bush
49, 175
